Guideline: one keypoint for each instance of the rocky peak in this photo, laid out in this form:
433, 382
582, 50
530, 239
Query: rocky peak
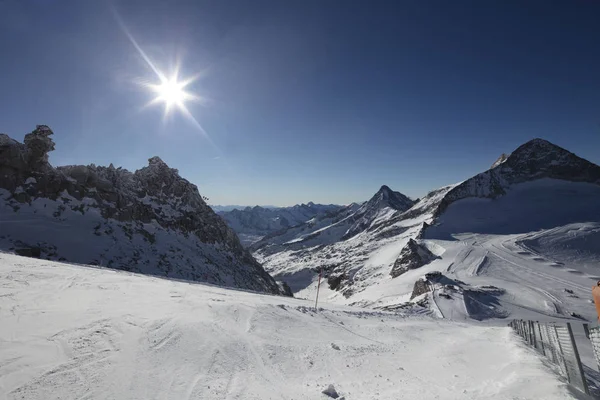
533, 160
503, 157
37, 146
18, 161
154, 197
386, 197
539, 158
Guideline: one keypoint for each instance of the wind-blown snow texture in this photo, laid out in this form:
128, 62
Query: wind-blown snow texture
73, 332
515, 241
150, 221
253, 223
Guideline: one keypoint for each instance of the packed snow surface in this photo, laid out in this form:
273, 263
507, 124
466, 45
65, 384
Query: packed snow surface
74, 332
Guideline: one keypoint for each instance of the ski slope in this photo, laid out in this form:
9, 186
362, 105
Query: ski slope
533, 253
75, 332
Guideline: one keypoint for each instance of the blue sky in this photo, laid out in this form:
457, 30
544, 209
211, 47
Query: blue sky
320, 101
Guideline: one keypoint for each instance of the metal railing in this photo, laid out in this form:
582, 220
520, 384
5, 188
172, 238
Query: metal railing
557, 344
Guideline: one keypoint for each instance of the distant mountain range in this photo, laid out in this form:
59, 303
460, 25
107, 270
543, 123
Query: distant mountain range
217, 208
253, 223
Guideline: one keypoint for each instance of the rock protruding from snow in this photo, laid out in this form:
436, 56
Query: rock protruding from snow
331, 392
149, 221
421, 287
412, 256
503, 157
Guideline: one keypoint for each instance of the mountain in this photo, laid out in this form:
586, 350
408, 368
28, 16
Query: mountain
341, 248
379, 207
218, 208
322, 229
477, 235
337, 225
545, 167
253, 223
150, 221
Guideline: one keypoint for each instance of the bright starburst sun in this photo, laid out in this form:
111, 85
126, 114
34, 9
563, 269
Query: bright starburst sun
169, 90
172, 92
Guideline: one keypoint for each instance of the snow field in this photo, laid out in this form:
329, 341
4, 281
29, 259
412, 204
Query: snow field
73, 332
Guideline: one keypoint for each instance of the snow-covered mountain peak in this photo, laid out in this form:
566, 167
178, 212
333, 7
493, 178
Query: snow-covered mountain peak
537, 152
386, 197
539, 158
536, 159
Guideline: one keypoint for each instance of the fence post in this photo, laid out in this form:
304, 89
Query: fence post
561, 354
522, 329
541, 341
577, 359
552, 357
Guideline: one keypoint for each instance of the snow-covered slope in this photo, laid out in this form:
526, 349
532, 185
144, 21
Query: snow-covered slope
252, 223
321, 228
355, 252
150, 221
73, 332
533, 160
474, 233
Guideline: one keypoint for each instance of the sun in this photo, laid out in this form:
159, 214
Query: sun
171, 92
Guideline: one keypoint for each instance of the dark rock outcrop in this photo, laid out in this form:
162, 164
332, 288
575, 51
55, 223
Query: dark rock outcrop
421, 287
334, 280
503, 157
412, 256
151, 201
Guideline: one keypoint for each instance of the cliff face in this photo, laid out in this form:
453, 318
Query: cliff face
150, 221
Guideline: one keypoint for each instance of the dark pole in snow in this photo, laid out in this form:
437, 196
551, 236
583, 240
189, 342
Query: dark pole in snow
318, 287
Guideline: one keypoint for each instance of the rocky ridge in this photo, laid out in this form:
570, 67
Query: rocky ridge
148, 221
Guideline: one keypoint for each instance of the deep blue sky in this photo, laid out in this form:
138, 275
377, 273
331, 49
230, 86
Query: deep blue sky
309, 100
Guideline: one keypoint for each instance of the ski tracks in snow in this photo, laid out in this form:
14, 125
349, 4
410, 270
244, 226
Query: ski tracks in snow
89, 352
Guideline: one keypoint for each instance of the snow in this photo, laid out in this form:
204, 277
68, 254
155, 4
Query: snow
493, 252
71, 229
541, 204
71, 331
253, 223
